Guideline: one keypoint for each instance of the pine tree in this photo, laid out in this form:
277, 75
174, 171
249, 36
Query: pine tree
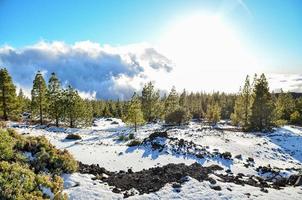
23, 103
242, 109
119, 109
38, 96
284, 106
262, 107
71, 102
172, 101
150, 102
7, 94
54, 96
183, 99
213, 113
135, 115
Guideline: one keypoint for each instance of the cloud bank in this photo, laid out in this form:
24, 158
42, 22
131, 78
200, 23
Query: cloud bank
96, 71
116, 72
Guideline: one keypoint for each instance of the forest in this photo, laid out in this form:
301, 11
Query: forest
253, 108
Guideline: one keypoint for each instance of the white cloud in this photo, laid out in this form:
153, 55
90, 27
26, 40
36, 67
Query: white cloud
116, 72
96, 71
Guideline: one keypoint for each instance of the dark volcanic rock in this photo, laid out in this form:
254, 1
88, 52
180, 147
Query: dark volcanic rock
216, 187
154, 179
154, 135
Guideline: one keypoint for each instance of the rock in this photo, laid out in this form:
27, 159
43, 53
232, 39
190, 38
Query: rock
215, 187
73, 137
226, 155
114, 123
130, 171
215, 167
154, 135
176, 185
228, 171
212, 181
250, 159
116, 190
240, 175
292, 179
238, 156
299, 181
264, 190
200, 156
280, 182
229, 189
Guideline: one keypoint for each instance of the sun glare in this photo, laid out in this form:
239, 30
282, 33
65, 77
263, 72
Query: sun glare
205, 44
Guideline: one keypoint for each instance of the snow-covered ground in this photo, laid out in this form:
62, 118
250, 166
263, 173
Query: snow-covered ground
100, 145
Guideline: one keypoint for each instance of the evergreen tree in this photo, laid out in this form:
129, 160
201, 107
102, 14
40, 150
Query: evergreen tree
72, 104
135, 115
179, 116
150, 102
23, 103
119, 109
284, 106
183, 99
54, 96
7, 95
172, 101
242, 109
213, 113
262, 106
38, 96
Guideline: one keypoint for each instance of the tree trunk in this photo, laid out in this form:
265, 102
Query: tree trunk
4, 105
57, 122
41, 115
135, 126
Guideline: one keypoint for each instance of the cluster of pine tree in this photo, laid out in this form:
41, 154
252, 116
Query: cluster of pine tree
257, 109
49, 102
254, 108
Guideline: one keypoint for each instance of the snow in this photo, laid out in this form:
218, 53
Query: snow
100, 145
88, 189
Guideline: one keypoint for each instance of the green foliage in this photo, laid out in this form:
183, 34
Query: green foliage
296, 118
78, 111
7, 144
23, 103
150, 103
38, 97
213, 113
123, 138
7, 96
172, 101
135, 115
243, 105
281, 122
284, 106
262, 115
22, 178
55, 99
48, 157
178, 116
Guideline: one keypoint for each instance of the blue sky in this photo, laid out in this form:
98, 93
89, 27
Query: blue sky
271, 29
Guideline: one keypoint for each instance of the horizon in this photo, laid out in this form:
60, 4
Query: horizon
110, 49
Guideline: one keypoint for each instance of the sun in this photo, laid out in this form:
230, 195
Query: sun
205, 44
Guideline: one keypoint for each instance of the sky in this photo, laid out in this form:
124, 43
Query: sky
108, 49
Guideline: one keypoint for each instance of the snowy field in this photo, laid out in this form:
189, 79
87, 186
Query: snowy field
281, 150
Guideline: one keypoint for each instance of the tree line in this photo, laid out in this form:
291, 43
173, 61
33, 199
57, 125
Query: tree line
254, 108
49, 102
